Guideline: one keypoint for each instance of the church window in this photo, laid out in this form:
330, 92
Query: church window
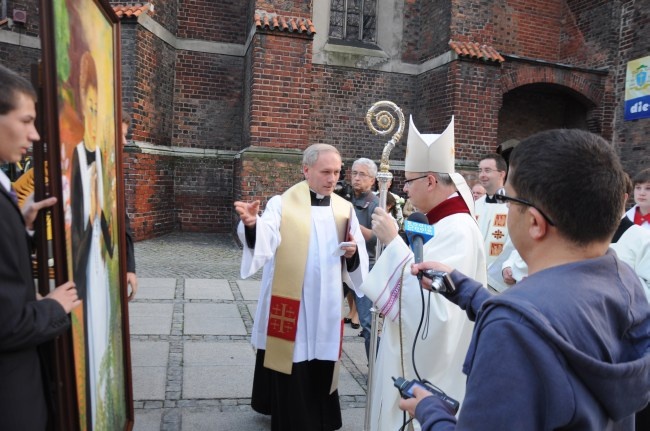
354, 20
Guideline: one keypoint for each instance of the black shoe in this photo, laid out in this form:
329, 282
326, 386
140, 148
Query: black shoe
355, 325
347, 320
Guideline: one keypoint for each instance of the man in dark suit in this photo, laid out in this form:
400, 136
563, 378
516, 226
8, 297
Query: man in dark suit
25, 321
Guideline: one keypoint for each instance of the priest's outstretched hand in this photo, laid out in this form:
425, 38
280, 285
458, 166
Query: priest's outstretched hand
248, 212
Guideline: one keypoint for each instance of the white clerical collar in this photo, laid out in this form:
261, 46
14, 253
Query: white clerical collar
5, 181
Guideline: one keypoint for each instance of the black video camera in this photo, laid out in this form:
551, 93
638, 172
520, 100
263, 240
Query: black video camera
344, 189
405, 388
441, 282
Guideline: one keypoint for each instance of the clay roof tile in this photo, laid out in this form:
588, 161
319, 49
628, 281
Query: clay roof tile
474, 50
132, 10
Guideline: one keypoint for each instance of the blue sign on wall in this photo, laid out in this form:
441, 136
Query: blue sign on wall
637, 89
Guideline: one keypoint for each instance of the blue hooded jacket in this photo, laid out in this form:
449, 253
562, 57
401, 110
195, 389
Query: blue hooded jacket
566, 348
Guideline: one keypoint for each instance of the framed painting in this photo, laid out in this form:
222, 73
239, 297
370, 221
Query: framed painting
82, 107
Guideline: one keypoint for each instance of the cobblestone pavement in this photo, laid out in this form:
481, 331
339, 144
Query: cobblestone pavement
190, 327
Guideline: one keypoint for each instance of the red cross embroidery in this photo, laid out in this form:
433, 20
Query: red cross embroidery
283, 318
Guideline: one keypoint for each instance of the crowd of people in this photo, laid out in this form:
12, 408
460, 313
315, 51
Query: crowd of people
543, 322
548, 324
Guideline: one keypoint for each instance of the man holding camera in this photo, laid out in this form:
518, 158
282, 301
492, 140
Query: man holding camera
568, 347
442, 194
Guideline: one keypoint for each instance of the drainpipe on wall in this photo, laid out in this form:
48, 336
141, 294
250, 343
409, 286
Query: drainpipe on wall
4, 10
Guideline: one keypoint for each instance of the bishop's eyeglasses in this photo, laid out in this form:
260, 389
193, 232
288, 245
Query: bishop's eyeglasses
502, 198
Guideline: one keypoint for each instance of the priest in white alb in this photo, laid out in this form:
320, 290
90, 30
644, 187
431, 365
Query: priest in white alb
436, 190
306, 240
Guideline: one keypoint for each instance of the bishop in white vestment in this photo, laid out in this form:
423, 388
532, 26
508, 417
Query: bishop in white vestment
435, 189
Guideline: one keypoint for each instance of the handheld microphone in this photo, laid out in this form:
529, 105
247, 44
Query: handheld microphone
418, 231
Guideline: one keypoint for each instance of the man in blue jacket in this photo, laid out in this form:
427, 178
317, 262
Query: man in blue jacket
569, 346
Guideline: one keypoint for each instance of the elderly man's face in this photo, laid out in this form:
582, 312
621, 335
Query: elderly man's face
17, 130
361, 180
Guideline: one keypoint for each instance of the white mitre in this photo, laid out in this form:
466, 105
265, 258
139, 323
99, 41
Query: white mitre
436, 153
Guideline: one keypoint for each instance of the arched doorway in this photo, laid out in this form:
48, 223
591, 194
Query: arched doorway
532, 108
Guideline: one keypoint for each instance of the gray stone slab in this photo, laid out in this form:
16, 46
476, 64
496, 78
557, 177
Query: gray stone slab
347, 384
147, 318
246, 420
252, 308
213, 319
218, 370
149, 353
357, 353
156, 288
236, 353
250, 289
353, 419
207, 288
149, 383
147, 420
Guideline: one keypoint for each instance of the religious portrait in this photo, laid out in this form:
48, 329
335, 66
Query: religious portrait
84, 71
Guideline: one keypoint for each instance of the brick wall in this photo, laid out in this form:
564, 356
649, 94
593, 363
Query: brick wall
203, 194
341, 98
31, 8
166, 14
153, 89
208, 101
589, 32
292, 8
149, 192
281, 89
477, 102
128, 31
426, 29
19, 59
632, 137
221, 21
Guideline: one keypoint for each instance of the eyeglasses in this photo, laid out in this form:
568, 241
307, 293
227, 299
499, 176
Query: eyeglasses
407, 183
361, 175
501, 198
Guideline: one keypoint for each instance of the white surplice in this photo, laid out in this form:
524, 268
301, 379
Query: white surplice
491, 218
633, 248
319, 321
439, 358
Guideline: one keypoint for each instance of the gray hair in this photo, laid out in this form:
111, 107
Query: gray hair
444, 179
312, 152
372, 166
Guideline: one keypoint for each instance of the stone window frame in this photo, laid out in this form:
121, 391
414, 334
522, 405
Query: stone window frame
365, 7
385, 50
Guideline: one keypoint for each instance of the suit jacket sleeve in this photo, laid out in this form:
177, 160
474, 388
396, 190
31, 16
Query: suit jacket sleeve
24, 321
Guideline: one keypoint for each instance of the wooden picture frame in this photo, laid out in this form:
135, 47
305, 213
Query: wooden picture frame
82, 110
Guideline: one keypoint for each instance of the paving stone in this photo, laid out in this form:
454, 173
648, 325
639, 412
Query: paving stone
250, 289
207, 289
155, 288
191, 354
149, 353
248, 420
150, 318
147, 420
214, 319
149, 383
